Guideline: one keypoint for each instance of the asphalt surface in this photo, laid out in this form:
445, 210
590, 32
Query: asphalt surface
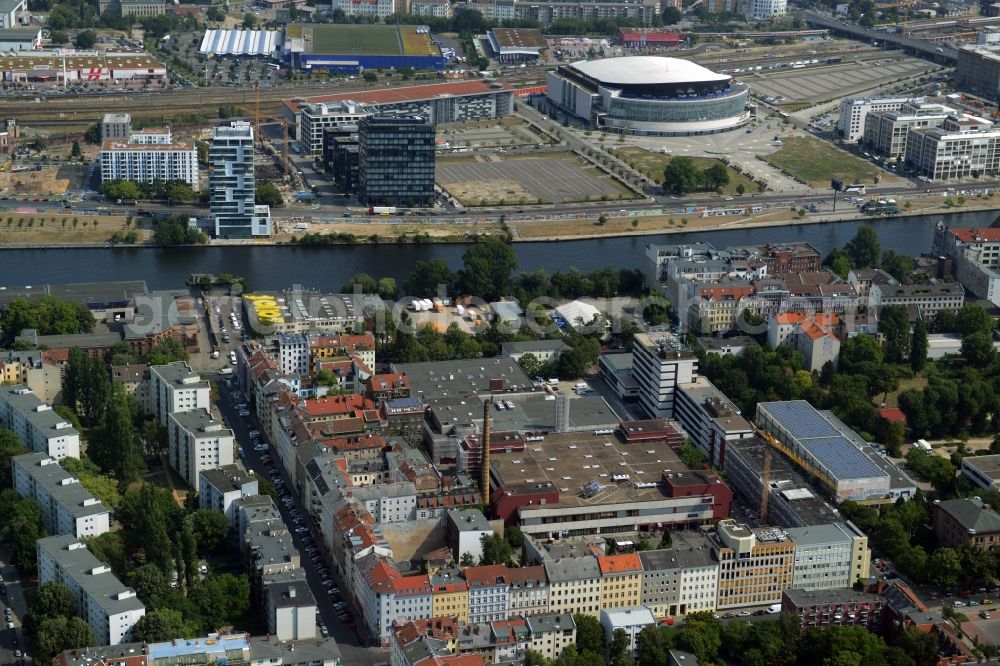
11, 640
352, 645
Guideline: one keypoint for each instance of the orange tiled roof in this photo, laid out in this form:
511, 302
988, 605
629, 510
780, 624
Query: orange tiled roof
616, 564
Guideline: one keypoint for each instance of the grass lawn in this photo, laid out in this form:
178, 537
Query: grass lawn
368, 39
652, 164
59, 229
904, 385
816, 162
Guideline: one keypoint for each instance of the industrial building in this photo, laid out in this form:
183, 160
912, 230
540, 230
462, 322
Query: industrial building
648, 95
984, 471
820, 441
264, 43
50, 68
9, 11
296, 311
978, 70
353, 48
20, 39
460, 101
516, 44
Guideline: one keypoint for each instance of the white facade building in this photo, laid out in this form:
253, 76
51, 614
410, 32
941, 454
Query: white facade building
67, 507
829, 556
709, 418
38, 426
105, 603
854, 110
315, 118
765, 9
219, 488
963, 146
659, 363
293, 353
437, 8
146, 162
197, 443
176, 388
630, 620
232, 184
291, 609
377, 8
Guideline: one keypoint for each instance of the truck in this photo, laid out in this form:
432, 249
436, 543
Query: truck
774, 609
382, 210
923, 445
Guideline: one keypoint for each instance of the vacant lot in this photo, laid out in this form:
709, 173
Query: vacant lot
50, 180
816, 162
652, 164
28, 228
527, 180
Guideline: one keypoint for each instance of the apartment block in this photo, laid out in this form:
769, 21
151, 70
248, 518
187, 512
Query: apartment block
67, 507
466, 529
678, 581
375, 8
659, 363
574, 585
488, 593
218, 489
38, 426
293, 353
148, 162
975, 254
829, 556
197, 443
116, 126
109, 607
630, 620
551, 634
437, 8
176, 388
818, 609
232, 184
451, 595
621, 580
965, 521
755, 564
291, 608
528, 594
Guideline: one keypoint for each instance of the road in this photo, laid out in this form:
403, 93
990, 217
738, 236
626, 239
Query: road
11, 640
352, 647
938, 53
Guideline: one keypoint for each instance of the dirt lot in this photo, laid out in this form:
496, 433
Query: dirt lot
49, 181
390, 232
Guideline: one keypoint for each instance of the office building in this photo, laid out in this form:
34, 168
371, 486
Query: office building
755, 564
886, 131
984, 471
965, 521
324, 121
630, 620
854, 111
963, 146
175, 387
218, 489
148, 162
197, 443
116, 126
396, 160
829, 556
67, 507
232, 184
709, 418
924, 299
38, 426
109, 607
659, 363
978, 70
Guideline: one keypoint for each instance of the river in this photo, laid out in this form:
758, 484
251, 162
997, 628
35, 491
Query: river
276, 267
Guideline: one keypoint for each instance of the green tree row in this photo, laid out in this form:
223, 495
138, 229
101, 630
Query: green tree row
48, 315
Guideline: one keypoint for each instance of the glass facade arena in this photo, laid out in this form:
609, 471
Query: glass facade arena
724, 105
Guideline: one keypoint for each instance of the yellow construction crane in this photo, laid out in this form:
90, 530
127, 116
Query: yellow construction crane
285, 162
256, 111
771, 442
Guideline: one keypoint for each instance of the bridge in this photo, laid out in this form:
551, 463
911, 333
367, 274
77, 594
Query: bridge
936, 52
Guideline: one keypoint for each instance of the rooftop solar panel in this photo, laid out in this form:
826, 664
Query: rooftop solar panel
800, 419
842, 459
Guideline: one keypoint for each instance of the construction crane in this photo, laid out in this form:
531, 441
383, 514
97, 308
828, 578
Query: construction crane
285, 163
256, 111
771, 442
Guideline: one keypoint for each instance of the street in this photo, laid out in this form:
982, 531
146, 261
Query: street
11, 597
352, 647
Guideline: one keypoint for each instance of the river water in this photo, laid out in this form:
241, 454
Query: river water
276, 267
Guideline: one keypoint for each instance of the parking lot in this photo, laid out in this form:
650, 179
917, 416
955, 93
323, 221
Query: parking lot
489, 134
815, 84
551, 180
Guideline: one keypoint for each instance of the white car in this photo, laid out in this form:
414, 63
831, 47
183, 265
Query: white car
10, 625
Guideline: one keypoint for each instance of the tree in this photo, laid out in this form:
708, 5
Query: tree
167, 351
496, 550
56, 634
249, 21
839, 262
210, 529
110, 549
387, 288
85, 39
671, 15
864, 249
221, 600
467, 560
51, 600
99, 485
715, 177
894, 325
58, 36
973, 318
512, 535
150, 515
921, 647
10, 446
681, 175
370, 77
487, 268
918, 346
116, 450
944, 565
977, 350
589, 634
150, 584
48, 315
428, 278
362, 281
531, 364
20, 528
690, 455
75, 151
619, 652
163, 624
267, 194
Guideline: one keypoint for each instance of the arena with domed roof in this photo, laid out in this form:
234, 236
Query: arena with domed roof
649, 95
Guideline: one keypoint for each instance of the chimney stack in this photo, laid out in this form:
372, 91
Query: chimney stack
484, 481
